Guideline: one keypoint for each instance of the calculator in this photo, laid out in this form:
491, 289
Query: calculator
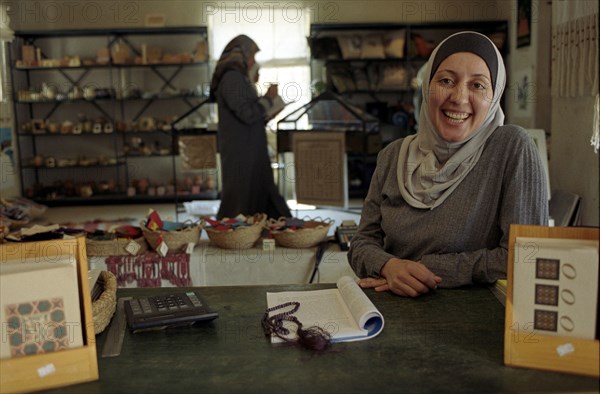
162, 311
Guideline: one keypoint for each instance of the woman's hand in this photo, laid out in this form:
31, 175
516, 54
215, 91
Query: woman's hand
403, 277
272, 91
380, 284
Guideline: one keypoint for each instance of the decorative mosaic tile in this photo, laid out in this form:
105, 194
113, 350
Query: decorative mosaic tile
545, 320
36, 327
546, 295
547, 269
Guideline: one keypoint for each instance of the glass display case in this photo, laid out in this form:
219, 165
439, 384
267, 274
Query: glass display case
330, 112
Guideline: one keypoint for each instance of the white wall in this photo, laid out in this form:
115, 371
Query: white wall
574, 166
9, 179
527, 61
61, 14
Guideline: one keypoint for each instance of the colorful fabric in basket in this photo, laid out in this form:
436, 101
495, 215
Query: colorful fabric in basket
128, 232
155, 223
227, 223
287, 224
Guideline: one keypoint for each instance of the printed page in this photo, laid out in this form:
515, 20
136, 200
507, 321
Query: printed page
322, 308
555, 283
362, 309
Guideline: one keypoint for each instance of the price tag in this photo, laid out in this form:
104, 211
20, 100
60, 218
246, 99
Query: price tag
190, 248
268, 244
162, 249
565, 349
46, 370
133, 248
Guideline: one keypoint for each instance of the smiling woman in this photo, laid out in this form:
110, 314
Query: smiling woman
441, 201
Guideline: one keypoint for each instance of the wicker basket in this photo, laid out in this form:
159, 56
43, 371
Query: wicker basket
14, 223
314, 232
241, 237
113, 247
4, 228
175, 240
104, 307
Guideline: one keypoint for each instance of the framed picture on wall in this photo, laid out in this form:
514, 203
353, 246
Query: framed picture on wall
523, 23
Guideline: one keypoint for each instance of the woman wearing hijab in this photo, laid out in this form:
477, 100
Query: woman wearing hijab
248, 185
441, 201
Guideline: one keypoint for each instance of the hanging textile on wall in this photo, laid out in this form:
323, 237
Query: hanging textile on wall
575, 55
574, 49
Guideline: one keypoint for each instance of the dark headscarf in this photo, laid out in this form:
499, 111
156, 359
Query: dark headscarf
474, 43
234, 57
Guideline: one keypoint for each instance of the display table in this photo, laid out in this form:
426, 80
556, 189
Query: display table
209, 265
255, 266
447, 341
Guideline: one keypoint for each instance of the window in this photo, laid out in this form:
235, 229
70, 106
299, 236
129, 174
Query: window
4, 80
281, 36
6, 35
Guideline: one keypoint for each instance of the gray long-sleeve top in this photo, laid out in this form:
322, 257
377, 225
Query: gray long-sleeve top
465, 239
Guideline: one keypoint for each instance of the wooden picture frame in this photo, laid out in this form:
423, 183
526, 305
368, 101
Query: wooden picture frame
525, 347
320, 168
62, 367
524, 11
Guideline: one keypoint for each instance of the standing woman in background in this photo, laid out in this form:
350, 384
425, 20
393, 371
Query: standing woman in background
441, 202
248, 185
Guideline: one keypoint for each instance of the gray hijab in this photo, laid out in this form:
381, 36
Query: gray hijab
429, 167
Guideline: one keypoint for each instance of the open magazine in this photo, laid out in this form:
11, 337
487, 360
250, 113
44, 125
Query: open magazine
345, 312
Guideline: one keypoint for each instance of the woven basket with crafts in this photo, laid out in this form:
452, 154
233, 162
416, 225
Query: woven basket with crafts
299, 233
32, 209
122, 241
4, 228
16, 216
240, 232
104, 300
175, 236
